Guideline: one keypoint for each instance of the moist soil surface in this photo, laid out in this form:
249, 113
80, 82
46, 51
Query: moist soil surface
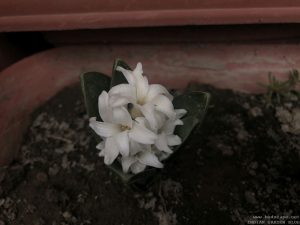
242, 165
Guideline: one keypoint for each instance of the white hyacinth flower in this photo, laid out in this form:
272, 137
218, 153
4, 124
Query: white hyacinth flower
138, 123
117, 129
154, 102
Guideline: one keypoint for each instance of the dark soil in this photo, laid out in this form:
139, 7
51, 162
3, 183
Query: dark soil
243, 162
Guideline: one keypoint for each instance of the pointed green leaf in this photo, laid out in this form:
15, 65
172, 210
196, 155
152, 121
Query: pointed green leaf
195, 103
92, 84
117, 76
139, 181
189, 123
142, 181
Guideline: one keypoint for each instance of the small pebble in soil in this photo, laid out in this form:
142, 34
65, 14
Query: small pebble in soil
256, 111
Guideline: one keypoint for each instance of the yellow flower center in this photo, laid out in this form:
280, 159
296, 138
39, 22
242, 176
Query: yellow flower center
135, 112
124, 127
141, 101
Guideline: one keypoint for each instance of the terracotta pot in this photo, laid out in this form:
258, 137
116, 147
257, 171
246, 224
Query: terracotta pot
92, 14
27, 84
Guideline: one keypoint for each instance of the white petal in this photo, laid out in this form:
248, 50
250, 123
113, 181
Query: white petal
104, 108
127, 162
157, 89
160, 154
141, 134
170, 125
163, 156
142, 87
137, 147
104, 129
180, 113
149, 113
117, 101
160, 118
137, 167
111, 151
143, 122
121, 116
101, 145
173, 140
149, 159
162, 144
141, 83
178, 122
138, 71
124, 90
134, 147
164, 105
122, 142
102, 153
128, 75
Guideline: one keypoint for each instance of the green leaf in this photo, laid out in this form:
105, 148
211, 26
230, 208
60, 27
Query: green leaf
142, 181
139, 181
195, 103
117, 76
189, 123
92, 84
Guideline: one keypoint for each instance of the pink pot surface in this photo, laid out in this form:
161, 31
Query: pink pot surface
27, 84
92, 14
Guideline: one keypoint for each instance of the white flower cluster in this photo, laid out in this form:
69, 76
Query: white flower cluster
138, 125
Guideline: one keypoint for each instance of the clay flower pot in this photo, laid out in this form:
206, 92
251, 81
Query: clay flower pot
33, 15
